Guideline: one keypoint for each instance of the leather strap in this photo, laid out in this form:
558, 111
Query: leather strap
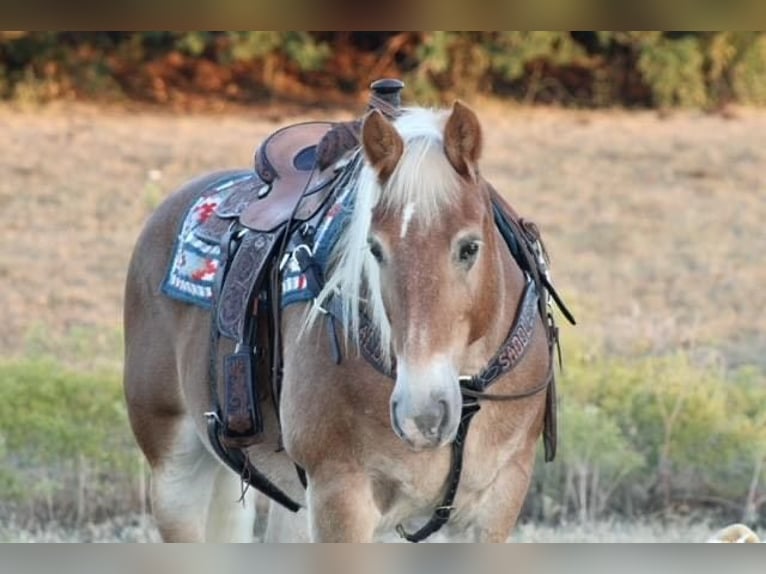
243, 280
512, 351
506, 358
442, 512
238, 461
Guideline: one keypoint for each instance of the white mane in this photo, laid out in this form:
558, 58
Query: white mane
423, 182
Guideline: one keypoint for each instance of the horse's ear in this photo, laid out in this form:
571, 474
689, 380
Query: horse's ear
382, 144
463, 140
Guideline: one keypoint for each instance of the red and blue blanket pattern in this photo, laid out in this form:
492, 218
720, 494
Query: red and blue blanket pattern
196, 259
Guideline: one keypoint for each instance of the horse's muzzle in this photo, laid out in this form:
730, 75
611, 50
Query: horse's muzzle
425, 415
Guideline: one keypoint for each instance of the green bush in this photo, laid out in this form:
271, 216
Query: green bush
67, 450
649, 433
674, 71
749, 73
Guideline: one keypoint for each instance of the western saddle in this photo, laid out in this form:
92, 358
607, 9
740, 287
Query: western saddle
263, 216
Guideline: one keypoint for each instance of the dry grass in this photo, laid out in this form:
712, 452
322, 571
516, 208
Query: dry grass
620, 532
120, 529
654, 223
78, 183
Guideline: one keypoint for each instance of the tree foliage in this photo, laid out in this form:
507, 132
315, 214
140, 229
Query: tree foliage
598, 68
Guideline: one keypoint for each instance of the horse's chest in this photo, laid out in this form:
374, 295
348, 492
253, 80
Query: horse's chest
408, 490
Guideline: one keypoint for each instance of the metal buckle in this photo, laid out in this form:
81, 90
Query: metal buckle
213, 415
303, 247
294, 255
444, 511
466, 380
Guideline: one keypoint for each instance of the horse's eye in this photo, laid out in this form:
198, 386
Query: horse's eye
375, 249
467, 252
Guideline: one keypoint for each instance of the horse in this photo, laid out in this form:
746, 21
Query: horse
423, 263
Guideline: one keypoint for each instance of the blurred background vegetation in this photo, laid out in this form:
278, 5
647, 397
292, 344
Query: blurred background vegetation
579, 69
641, 435
654, 436
651, 437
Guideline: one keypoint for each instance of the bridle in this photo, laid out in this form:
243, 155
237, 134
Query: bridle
523, 241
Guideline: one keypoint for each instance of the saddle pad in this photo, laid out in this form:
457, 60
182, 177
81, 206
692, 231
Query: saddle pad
295, 286
197, 252
196, 258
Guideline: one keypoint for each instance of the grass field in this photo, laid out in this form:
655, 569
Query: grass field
654, 223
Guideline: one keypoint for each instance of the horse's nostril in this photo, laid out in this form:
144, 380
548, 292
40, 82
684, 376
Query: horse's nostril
432, 424
395, 421
445, 419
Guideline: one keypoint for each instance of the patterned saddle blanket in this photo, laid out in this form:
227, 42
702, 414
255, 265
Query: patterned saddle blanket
197, 254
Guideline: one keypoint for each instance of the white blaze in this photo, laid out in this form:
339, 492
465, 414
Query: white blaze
407, 214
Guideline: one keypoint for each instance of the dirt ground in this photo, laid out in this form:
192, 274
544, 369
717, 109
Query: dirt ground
654, 223
137, 528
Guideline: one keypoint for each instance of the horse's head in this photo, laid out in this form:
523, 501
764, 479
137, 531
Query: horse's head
435, 261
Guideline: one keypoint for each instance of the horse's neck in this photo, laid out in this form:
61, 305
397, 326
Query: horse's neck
510, 285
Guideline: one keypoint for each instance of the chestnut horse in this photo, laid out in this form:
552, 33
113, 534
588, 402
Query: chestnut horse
423, 257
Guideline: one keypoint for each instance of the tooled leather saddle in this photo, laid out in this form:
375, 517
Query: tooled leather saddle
296, 169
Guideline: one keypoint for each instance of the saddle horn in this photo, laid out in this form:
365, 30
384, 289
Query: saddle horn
386, 96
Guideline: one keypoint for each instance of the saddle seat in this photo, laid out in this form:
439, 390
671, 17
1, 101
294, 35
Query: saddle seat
297, 164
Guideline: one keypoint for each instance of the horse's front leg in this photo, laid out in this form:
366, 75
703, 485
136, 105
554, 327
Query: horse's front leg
341, 505
503, 501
